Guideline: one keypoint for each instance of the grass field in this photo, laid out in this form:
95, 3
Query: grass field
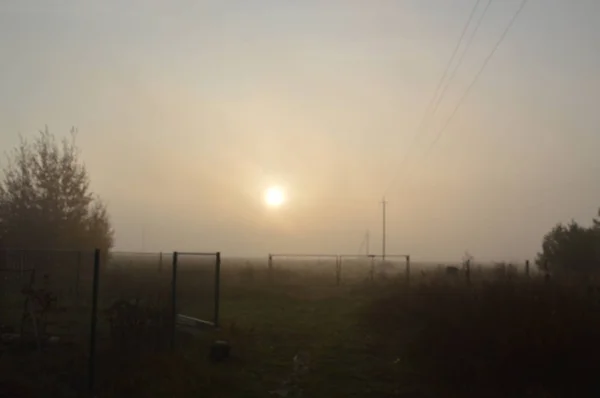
498, 337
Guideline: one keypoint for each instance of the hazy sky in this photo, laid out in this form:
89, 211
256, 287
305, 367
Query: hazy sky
188, 110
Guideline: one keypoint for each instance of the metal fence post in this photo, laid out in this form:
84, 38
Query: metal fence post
217, 288
174, 299
94, 320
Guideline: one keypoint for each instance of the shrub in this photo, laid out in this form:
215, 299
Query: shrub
507, 338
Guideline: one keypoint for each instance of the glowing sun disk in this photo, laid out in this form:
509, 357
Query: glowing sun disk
274, 197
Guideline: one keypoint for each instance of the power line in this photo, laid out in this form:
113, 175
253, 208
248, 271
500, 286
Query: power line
461, 58
422, 123
479, 73
447, 69
467, 91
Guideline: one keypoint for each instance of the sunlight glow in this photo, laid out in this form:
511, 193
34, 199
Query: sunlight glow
274, 197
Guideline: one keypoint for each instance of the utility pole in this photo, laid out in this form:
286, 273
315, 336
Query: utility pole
368, 238
384, 203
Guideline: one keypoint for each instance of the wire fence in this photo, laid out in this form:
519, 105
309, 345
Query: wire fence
132, 311
283, 269
355, 268
45, 313
80, 315
290, 269
197, 277
335, 269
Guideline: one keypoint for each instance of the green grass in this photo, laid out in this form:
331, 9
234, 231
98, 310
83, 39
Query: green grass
495, 339
267, 328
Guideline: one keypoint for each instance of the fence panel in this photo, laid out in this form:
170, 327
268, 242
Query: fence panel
355, 268
303, 269
134, 318
12, 298
236, 272
45, 312
474, 272
197, 289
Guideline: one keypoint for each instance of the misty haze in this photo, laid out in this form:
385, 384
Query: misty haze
326, 198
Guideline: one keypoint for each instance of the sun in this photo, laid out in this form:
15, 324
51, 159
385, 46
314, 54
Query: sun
274, 197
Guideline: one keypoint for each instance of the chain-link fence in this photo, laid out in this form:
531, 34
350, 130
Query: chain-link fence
133, 312
244, 272
333, 269
47, 290
298, 269
354, 269
79, 317
472, 272
197, 279
45, 315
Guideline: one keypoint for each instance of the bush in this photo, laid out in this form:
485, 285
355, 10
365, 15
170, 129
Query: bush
506, 338
571, 247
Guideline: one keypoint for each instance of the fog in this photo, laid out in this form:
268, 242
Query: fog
188, 111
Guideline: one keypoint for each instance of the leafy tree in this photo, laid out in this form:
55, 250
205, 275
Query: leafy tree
46, 201
571, 247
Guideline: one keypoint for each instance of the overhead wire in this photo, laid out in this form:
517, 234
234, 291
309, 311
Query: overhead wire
436, 99
436, 93
477, 76
461, 58
422, 123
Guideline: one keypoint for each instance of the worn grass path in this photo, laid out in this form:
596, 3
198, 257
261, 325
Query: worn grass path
267, 328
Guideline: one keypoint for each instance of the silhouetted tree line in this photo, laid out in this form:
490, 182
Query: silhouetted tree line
46, 202
571, 247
